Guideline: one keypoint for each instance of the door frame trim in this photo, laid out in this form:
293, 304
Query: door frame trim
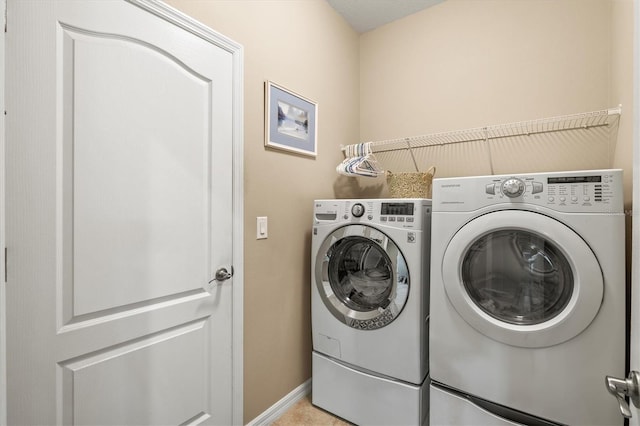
634, 332
3, 347
189, 24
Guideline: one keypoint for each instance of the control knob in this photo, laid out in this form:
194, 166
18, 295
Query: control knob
513, 187
357, 210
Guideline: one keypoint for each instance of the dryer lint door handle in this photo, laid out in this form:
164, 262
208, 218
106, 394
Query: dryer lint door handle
621, 388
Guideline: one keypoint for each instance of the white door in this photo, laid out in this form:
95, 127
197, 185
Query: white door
634, 347
634, 354
120, 133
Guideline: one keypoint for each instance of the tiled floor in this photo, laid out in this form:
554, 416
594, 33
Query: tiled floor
303, 413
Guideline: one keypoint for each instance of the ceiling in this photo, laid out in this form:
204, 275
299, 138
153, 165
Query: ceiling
366, 15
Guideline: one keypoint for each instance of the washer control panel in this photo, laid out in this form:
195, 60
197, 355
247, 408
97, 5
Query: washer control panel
513, 187
560, 190
583, 191
401, 213
357, 210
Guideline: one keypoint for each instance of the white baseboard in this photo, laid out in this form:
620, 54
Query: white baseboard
274, 412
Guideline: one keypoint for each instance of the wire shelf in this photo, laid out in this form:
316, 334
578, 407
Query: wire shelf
583, 120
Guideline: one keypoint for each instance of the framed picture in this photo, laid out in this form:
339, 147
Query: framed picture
291, 121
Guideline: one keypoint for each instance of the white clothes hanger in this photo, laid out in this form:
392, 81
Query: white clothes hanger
359, 161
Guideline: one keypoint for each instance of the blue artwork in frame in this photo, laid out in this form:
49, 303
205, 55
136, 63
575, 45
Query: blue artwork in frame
290, 121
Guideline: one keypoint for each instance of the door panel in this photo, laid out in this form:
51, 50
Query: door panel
139, 203
163, 367
119, 187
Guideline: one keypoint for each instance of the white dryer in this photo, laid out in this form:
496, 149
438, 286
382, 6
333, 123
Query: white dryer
527, 298
369, 309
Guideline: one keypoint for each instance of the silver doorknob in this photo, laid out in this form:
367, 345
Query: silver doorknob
622, 388
222, 275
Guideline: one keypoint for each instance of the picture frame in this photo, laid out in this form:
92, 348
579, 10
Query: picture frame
291, 121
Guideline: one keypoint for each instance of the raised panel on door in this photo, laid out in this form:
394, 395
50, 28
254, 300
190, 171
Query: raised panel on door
133, 382
135, 193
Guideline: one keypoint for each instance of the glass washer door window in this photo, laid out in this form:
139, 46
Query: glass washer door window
362, 277
360, 273
517, 276
522, 278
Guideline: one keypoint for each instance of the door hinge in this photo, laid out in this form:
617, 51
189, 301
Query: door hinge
5, 265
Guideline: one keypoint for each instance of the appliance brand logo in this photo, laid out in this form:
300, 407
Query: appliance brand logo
455, 192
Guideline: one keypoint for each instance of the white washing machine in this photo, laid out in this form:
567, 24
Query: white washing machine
527, 298
369, 309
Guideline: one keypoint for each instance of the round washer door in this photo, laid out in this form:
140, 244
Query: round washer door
362, 277
522, 278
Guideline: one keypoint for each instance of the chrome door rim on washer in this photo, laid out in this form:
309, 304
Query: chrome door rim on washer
391, 303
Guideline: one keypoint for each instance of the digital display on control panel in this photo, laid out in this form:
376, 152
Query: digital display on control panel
574, 179
397, 209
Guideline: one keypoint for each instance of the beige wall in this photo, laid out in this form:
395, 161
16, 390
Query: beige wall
306, 47
457, 65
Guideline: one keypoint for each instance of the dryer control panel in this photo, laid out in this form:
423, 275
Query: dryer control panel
582, 191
